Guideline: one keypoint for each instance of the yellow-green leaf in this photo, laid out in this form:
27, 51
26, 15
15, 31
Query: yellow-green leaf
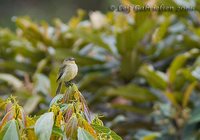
43, 126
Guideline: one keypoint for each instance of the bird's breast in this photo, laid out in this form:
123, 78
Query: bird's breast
70, 72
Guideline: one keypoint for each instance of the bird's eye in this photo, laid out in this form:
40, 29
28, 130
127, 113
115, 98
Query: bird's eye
71, 59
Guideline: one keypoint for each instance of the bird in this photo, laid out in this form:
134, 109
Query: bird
67, 73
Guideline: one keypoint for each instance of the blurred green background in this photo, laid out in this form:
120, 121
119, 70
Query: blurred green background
48, 9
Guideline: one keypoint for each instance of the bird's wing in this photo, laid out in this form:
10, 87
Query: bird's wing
61, 71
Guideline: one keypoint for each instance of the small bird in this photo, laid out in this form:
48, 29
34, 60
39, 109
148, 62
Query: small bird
67, 73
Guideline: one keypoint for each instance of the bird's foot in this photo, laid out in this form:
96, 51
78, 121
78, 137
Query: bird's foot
68, 84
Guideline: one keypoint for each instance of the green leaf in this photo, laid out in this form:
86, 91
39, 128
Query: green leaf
138, 110
42, 83
147, 135
41, 65
53, 84
195, 116
25, 50
196, 73
124, 42
132, 92
10, 131
187, 93
129, 65
156, 79
161, 31
143, 28
32, 103
84, 135
13, 65
44, 125
179, 61
92, 37
90, 78
106, 131
56, 99
11, 80
58, 131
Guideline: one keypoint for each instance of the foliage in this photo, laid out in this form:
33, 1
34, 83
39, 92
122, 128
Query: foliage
141, 69
68, 118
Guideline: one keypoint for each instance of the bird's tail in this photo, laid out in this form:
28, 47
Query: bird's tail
59, 88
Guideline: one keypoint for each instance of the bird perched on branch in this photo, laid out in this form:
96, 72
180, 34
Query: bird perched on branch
67, 73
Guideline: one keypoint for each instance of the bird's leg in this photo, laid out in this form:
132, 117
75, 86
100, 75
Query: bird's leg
67, 84
70, 82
